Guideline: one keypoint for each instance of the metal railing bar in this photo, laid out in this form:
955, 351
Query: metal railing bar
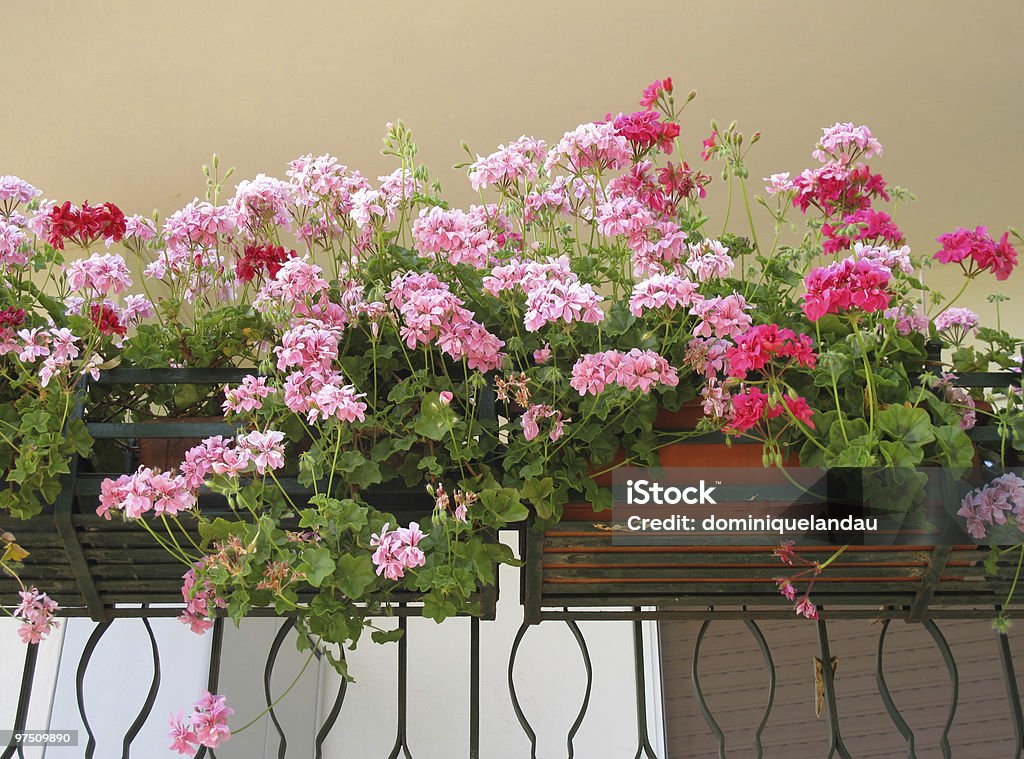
1012, 692
766, 654
332, 716
836, 744
401, 738
268, 671
147, 706
954, 683
589, 668
474, 688
698, 691
83, 665
28, 673
644, 747
883, 690
516, 707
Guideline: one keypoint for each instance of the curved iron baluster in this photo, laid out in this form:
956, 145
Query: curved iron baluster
581, 641
83, 664
147, 706
332, 716
588, 666
883, 691
890, 705
28, 674
644, 747
698, 691
516, 707
766, 653
401, 739
828, 680
1012, 692
268, 671
954, 683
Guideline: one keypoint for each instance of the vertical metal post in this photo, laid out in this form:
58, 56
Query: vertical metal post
836, 744
1012, 692
28, 673
644, 748
474, 688
401, 738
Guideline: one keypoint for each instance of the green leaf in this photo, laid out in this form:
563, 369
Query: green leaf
317, 565
435, 419
219, 529
359, 470
355, 574
505, 504
957, 448
387, 636
910, 425
539, 492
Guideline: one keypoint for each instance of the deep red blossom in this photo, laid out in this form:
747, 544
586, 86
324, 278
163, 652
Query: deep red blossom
105, 317
12, 317
645, 130
681, 182
756, 347
85, 225
748, 409
797, 406
260, 259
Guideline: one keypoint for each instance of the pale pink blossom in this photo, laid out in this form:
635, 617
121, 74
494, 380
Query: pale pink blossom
36, 612
266, 449
248, 396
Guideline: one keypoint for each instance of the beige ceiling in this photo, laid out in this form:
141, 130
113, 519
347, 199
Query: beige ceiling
124, 100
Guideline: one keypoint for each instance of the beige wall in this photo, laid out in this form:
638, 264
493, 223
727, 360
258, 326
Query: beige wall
125, 100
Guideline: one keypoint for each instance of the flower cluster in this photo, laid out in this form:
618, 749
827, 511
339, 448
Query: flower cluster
845, 285
998, 503
200, 598
663, 291
536, 412
207, 725
976, 251
432, 313
84, 225
597, 146
508, 165
248, 396
459, 237
261, 260
764, 342
36, 612
144, 491
554, 292
398, 550
753, 406
644, 130
633, 370
846, 142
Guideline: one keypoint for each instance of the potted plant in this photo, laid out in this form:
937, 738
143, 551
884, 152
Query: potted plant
411, 377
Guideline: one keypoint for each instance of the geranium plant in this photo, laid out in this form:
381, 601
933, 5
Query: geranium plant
586, 292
